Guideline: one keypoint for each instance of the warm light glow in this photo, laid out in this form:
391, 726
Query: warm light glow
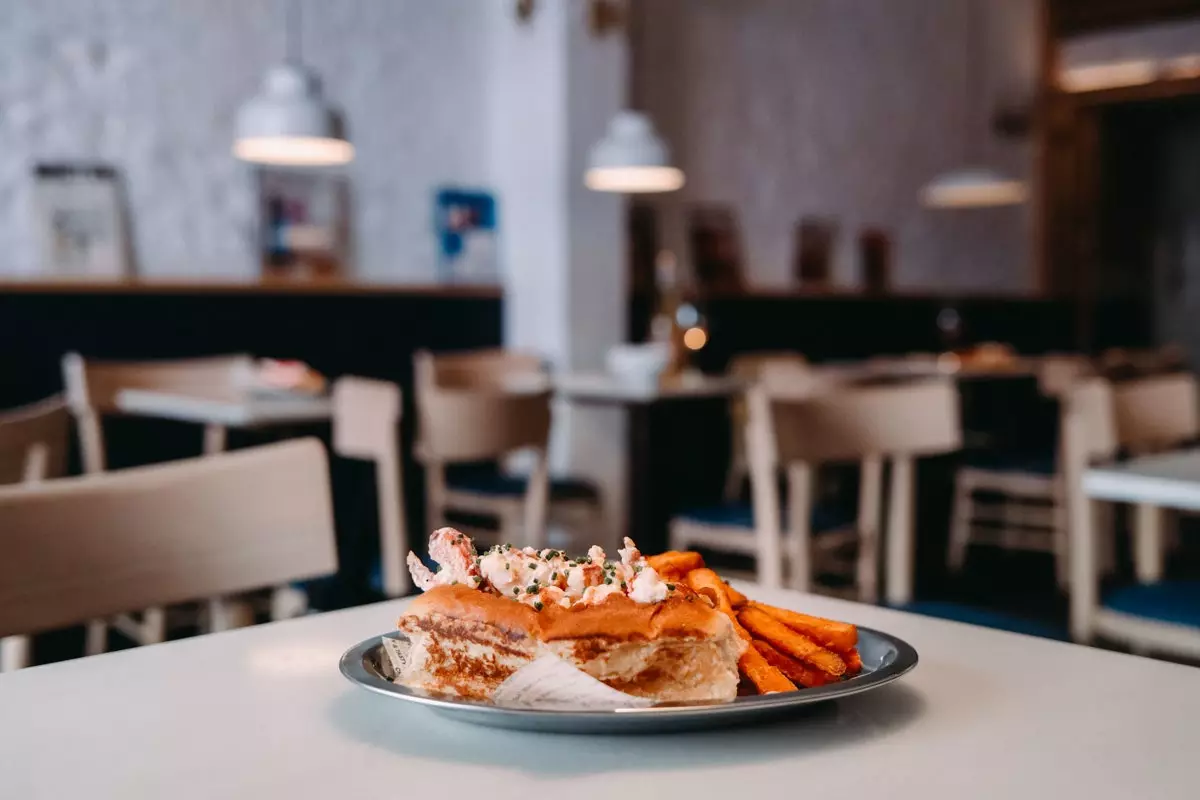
633, 180
1183, 67
694, 338
300, 151
1093, 77
974, 195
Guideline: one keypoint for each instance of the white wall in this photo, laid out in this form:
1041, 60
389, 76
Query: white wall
153, 85
841, 108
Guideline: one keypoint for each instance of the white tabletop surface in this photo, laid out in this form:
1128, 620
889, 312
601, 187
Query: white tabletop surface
233, 409
601, 387
264, 713
1170, 480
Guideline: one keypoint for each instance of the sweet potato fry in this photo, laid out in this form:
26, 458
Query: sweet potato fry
765, 677
704, 581
675, 563
798, 673
736, 598
839, 636
763, 626
853, 662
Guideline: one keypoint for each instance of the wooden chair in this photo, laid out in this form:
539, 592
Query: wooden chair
92, 389
1151, 615
1153, 415
867, 425
462, 469
366, 425
1017, 501
479, 424
751, 369
33, 448
101, 545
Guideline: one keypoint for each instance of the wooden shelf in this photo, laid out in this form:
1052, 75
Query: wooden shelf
268, 286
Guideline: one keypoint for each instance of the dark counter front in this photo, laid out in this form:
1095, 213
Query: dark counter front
338, 329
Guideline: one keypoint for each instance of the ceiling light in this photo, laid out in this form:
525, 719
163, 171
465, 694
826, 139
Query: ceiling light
631, 159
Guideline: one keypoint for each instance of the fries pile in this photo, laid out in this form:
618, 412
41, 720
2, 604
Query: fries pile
788, 650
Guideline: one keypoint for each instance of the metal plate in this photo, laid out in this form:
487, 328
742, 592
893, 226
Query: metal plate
885, 658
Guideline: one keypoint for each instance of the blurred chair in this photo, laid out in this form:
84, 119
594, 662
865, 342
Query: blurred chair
503, 401
1152, 615
1016, 501
101, 545
796, 434
93, 387
33, 448
366, 425
1120, 363
1155, 414
753, 368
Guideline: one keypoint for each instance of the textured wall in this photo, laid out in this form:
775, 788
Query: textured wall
153, 86
840, 108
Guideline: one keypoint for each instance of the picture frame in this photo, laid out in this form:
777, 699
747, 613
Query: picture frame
304, 223
82, 220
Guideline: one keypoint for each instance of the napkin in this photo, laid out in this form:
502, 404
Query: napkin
547, 683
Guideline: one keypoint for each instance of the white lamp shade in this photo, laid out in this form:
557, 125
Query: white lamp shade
289, 123
631, 159
973, 188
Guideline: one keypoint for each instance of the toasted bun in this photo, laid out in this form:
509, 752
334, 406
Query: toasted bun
467, 642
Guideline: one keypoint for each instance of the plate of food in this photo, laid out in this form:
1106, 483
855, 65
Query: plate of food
540, 640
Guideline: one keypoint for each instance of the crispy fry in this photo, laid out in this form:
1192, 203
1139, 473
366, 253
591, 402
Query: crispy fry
704, 581
798, 673
763, 626
736, 598
839, 636
765, 677
675, 563
853, 662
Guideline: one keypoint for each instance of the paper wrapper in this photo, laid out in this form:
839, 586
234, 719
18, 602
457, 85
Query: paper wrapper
546, 683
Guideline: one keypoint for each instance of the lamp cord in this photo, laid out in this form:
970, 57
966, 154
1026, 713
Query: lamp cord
293, 30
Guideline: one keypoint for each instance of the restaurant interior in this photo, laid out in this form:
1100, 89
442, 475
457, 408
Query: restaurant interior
880, 304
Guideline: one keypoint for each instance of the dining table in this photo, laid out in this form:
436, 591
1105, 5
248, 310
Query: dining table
1151, 484
263, 712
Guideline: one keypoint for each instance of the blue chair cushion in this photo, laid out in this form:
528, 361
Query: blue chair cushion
487, 479
1177, 602
741, 515
987, 618
1033, 463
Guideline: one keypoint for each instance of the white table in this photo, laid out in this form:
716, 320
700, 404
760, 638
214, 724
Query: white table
600, 387
217, 410
232, 409
1151, 483
263, 712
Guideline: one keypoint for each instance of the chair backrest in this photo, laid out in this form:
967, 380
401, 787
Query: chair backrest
92, 388
463, 425
1089, 407
33, 441
94, 385
1058, 373
1157, 413
366, 425
98, 545
474, 369
915, 418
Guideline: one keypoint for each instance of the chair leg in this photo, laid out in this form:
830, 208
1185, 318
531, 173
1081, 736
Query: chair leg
960, 524
226, 614
96, 641
153, 627
14, 653
1060, 533
288, 602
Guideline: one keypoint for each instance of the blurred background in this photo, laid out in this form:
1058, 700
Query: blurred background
559, 271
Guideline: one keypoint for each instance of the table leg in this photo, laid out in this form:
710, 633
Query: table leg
899, 544
214, 439
1148, 543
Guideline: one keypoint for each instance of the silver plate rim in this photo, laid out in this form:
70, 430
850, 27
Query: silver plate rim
352, 666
